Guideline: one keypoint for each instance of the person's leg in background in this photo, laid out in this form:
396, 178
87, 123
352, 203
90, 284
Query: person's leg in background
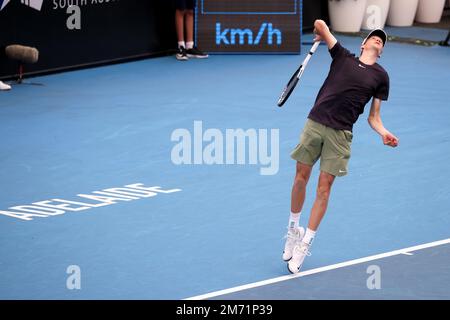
189, 25
179, 25
191, 50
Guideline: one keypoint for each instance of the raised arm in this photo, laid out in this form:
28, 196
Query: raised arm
375, 122
323, 33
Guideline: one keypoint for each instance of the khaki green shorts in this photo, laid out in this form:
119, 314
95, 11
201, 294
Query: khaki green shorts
331, 145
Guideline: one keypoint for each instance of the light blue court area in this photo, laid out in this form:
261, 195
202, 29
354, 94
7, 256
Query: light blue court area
91, 158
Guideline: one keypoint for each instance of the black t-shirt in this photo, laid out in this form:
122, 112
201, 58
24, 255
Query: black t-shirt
350, 84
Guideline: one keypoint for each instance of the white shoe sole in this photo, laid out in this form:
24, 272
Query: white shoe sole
197, 57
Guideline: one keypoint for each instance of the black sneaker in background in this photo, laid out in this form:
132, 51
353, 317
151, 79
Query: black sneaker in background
181, 54
196, 53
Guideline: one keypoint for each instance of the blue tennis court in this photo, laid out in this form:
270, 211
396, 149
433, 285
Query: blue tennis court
112, 182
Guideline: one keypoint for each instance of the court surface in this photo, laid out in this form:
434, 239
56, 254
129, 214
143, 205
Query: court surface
105, 128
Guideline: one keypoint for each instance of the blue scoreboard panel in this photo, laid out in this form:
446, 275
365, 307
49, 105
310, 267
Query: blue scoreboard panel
248, 26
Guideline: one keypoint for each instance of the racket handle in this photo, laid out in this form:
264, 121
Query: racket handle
314, 47
311, 52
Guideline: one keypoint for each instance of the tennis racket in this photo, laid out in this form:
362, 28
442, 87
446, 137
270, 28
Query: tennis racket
296, 76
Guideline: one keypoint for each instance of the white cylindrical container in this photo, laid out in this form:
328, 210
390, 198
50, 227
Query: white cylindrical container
402, 13
346, 15
376, 14
430, 11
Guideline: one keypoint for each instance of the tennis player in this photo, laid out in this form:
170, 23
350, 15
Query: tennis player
351, 83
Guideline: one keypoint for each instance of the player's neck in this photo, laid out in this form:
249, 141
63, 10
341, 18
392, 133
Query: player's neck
368, 57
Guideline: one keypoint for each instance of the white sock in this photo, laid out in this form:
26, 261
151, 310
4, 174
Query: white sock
309, 236
189, 44
181, 44
294, 218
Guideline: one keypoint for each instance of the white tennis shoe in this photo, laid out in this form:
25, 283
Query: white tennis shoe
294, 236
4, 86
301, 250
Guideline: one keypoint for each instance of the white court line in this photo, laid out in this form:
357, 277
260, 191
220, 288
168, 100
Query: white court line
321, 269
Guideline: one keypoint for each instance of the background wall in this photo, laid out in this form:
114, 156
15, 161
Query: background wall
110, 31
312, 10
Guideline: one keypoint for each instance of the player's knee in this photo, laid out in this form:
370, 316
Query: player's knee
323, 192
300, 181
189, 12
